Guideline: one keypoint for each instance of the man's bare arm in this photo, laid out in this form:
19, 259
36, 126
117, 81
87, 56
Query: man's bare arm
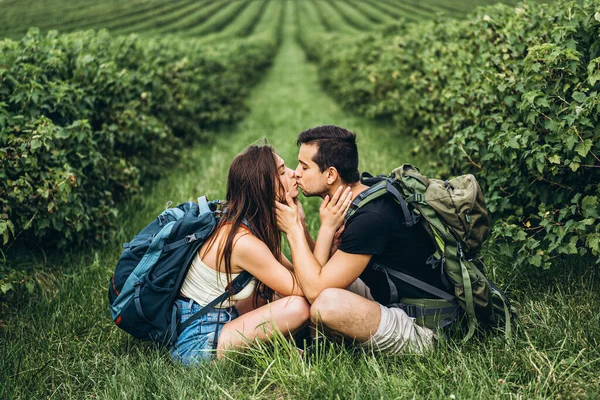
339, 272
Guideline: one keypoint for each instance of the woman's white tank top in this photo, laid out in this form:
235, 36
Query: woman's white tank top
203, 284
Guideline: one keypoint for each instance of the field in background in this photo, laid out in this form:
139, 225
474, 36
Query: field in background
228, 18
56, 335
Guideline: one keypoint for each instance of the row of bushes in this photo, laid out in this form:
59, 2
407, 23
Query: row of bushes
510, 95
86, 118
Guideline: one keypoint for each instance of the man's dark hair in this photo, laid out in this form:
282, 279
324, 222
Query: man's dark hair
336, 148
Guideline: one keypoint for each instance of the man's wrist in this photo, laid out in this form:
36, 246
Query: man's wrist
327, 230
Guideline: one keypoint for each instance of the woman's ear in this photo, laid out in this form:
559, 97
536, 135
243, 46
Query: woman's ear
332, 175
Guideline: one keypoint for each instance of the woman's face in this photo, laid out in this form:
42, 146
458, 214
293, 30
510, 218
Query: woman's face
287, 177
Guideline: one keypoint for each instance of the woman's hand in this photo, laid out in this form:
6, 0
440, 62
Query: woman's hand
288, 217
332, 211
301, 213
336, 240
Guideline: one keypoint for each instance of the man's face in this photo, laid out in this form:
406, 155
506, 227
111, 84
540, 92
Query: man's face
309, 177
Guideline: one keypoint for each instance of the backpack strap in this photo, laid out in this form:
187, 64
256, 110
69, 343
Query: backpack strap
370, 180
509, 311
234, 287
432, 290
453, 253
414, 311
393, 289
203, 206
385, 185
182, 242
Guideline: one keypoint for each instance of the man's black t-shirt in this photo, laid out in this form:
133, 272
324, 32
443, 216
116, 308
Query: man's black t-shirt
378, 229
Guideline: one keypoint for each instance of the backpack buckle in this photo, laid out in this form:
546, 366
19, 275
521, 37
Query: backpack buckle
235, 287
460, 250
433, 261
191, 238
409, 309
415, 198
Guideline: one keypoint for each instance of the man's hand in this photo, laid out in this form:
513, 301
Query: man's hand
332, 211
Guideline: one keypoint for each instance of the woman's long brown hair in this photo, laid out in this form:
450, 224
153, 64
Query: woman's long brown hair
253, 185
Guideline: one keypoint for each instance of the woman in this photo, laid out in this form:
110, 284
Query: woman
246, 239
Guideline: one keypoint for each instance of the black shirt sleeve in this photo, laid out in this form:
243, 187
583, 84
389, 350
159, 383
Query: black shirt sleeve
365, 233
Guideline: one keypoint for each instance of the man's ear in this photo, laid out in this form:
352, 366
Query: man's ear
332, 175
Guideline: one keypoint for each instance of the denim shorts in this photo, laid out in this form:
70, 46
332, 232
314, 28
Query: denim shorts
197, 342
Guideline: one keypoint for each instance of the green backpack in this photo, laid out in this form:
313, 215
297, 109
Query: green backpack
455, 216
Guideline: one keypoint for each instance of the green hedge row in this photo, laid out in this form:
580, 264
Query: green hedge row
510, 94
86, 118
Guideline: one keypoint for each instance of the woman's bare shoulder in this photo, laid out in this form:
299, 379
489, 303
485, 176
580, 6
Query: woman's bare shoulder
247, 242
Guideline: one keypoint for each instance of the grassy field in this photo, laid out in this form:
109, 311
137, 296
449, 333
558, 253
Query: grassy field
60, 342
207, 17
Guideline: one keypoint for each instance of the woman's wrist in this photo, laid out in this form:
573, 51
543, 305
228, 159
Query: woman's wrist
304, 224
296, 231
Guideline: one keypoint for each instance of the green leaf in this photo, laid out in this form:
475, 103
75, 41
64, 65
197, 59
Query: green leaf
555, 159
5, 287
583, 148
536, 260
35, 144
589, 207
593, 242
580, 97
62, 133
574, 166
594, 71
30, 285
6, 228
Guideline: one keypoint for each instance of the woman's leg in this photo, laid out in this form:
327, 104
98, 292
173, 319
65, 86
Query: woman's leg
285, 315
248, 304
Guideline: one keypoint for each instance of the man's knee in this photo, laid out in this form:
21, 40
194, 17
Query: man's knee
326, 306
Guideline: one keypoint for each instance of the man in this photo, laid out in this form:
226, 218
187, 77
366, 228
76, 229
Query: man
375, 235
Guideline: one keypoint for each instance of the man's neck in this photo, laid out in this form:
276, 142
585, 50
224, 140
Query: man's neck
357, 188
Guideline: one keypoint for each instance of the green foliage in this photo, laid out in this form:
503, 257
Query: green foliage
510, 94
86, 118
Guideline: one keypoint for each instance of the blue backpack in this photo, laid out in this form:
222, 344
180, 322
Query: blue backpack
146, 282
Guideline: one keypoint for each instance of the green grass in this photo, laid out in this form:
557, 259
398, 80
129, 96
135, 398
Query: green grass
116, 19
196, 18
332, 19
391, 10
152, 24
352, 16
59, 342
244, 23
18, 16
308, 13
163, 17
371, 12
408, 9
207, 17
219, 20
273, 12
